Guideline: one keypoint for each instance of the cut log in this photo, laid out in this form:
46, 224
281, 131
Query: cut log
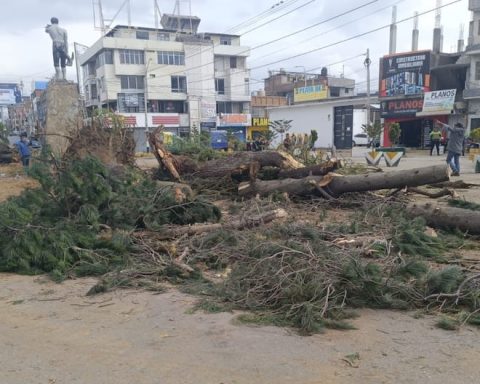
237, 163
314, 170
336, 185
164, 157
173, 232
447, 217
240, 162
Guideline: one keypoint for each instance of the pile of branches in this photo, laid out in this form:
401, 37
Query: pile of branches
81, 219
312, 276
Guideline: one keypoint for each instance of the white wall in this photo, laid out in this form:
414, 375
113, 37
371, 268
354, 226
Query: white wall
306, 118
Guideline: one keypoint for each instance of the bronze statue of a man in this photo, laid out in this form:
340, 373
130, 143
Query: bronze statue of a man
60, 48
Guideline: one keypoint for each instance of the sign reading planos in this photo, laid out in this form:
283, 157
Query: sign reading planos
439, 102
401, 108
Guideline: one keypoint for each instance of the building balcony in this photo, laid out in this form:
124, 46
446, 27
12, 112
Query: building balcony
472, 93
474, 5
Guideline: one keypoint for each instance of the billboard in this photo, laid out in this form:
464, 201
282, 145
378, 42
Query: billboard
400, 108
310, 93
10, 93
405, 74
439, 102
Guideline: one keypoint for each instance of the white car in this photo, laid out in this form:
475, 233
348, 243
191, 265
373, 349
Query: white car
360, 139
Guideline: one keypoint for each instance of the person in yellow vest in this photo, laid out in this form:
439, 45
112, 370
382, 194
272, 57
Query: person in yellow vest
435, 137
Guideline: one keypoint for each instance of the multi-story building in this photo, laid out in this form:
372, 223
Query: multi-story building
300, 87
10, 94
472, 86
173, 76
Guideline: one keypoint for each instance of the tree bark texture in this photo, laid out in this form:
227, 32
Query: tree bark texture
335, 185
314, 170
447, 217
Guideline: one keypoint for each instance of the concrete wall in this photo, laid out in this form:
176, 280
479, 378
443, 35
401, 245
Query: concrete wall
306, 118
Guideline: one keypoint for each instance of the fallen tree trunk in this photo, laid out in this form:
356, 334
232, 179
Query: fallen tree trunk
335, 185
241, 162
254, 221
237, 163
314, 170
447, 217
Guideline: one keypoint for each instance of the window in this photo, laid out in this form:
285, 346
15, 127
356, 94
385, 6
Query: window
89, 69
131, 102
233, 62
163, 36
142, 35
247, 86
93, 91
477, 70
179, 84
171, 58
225, 40
131, 82
131, 56
106, 57
168, 106
224, 107
220, 86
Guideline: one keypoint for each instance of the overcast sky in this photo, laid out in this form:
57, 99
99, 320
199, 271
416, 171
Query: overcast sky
26, 48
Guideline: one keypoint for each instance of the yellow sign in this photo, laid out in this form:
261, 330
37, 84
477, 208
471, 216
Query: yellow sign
259, 122
310, 93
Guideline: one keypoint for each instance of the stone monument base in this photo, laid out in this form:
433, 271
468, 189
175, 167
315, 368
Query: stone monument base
60, 108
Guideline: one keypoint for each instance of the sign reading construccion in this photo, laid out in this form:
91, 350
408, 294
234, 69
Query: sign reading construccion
310, 93
438, 102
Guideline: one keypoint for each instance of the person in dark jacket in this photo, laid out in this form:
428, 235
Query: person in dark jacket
23, 149
454, 146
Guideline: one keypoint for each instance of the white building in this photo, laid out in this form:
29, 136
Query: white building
335, 120
183, 78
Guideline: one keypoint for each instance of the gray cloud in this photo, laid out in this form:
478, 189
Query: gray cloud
22, 22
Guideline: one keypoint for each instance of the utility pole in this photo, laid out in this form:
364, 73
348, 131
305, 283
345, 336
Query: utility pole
145, 102
367, 63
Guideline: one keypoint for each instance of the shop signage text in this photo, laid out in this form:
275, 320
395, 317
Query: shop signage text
399, 108
260, 122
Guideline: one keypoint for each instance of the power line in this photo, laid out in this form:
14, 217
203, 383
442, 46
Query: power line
278, 17
280, 38
272, 10
330, 30
353, 37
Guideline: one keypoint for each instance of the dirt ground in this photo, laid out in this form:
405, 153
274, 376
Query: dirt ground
53, 333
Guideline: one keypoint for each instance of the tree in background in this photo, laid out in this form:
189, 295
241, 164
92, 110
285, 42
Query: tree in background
475, 135
394, 132
281, 126
3, 134
373, 131
313, 138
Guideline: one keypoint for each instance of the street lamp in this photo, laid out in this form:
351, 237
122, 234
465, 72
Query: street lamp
304, 74
145, 101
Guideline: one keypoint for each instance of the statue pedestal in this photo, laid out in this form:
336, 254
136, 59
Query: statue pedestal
62, 117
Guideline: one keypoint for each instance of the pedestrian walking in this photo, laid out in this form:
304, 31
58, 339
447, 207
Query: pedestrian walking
435, 137
454, 146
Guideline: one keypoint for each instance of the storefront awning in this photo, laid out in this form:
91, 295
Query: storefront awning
433, 113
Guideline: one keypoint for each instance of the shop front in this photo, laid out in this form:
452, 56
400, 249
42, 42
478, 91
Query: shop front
259, 127
415, 124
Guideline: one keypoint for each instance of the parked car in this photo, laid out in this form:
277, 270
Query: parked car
360, 139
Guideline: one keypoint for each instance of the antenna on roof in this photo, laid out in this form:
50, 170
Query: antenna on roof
158, 14
106, 24
438, 14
